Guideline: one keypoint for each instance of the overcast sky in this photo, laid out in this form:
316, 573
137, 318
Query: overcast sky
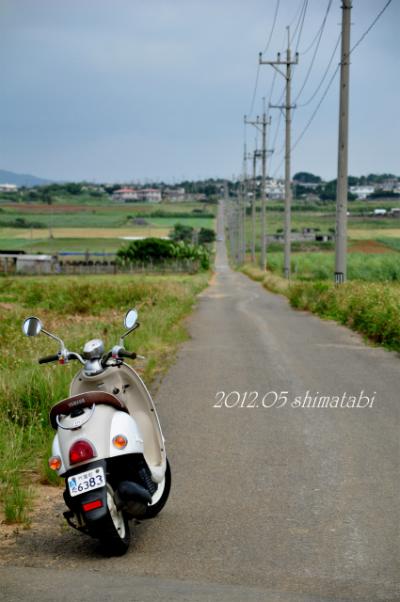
111, 90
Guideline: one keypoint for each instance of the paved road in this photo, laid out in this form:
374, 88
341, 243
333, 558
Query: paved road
291, 503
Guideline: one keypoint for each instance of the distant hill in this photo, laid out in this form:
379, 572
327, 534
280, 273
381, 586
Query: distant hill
9, 177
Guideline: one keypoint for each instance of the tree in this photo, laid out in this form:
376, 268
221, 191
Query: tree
206, 235
182, 232
305, 176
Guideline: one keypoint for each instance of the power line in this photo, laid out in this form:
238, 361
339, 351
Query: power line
335, 73
302, 24
321, 31
317, 107
273, 27
318, 31
313, 95
366, 32
258, 66
254, 91
297, 18
312, 117
271, 92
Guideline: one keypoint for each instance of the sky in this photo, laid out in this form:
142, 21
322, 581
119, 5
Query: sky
128, 90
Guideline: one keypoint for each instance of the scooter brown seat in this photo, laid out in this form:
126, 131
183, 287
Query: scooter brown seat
85, 400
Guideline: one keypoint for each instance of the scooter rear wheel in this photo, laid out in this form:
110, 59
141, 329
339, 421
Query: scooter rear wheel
161, 495
113, 529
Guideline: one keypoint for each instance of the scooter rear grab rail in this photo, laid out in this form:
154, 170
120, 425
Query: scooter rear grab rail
84, 400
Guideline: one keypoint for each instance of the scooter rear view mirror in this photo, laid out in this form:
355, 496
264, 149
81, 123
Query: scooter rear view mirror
130, 318
130, 322
32, 327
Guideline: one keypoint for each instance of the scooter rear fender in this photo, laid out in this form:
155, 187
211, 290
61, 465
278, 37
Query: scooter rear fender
100, 431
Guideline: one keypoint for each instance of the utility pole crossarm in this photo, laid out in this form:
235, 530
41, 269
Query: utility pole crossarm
282, 106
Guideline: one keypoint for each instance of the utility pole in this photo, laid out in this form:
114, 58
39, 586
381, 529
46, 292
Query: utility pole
264, 122
288, 119
342, 177
244, 205
256, 155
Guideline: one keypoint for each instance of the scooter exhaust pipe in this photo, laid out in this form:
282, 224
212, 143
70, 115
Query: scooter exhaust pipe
134, 498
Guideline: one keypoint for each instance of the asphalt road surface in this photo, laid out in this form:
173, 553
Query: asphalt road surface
274, 498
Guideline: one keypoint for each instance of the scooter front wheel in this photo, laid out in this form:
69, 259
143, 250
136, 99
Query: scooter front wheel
161, 495
113, 529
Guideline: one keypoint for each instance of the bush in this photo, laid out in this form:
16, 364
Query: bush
157, 250
181, 232
206, 235
370, 308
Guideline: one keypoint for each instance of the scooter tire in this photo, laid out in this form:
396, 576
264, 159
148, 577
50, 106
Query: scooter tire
112, 530
154, 509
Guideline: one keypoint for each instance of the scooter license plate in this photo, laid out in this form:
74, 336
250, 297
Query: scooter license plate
86, 481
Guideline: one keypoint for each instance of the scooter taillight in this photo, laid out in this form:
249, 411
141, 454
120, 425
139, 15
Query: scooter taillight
81, 451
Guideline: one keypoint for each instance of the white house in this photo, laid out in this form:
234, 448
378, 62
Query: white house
275, 190
8, 188
362, 192
175, 195
152, 195
125, 194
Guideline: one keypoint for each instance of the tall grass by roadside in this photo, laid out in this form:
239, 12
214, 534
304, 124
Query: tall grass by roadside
368, 267
371, 308
76, 309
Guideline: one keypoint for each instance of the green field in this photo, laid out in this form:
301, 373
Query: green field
373, 243
58, 245
37, 227
324, 222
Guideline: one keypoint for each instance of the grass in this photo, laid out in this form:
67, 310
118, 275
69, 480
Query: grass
39, 233
371, 308
392, 243
368, 267
58, 245
100, 220
77, 309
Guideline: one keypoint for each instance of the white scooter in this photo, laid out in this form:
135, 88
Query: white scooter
109, 446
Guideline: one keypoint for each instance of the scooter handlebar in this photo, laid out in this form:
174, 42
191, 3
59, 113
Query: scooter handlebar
124, 353
117, 353
49, 358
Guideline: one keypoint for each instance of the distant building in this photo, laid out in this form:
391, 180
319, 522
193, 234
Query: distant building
92, 188
8, 188
152, 195
389, 185
175, 195
125, 194
362, 192
275, 190
26, 264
